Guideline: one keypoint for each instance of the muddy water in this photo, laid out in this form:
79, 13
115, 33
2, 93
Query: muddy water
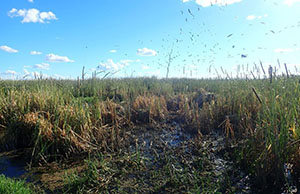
153, 142
47, 178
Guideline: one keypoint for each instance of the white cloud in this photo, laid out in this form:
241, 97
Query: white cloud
8, 49
32, 15
184, 1
44, 66
146, 52
127, 61
252, 17
35, 53
10, 72
145, 67
206, 3
12, 11
56, 58
290, 2
35, 75
113, 51
111, 65
31, 1
47, 16
286, 50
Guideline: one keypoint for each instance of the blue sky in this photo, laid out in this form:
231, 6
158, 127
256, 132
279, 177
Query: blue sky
138, 37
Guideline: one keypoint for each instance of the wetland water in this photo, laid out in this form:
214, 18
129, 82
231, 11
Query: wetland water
12, 165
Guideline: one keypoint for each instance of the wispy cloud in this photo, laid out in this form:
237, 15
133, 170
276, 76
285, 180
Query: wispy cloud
32, 15
206, 3
146, 52
44, 66
57, 58
10, 72
35, 53
290, 2
31, 1
252, 17
115, 66
113, 51
8, 49
27, 66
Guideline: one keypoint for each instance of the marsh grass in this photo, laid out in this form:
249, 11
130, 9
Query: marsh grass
11, 186
58, 119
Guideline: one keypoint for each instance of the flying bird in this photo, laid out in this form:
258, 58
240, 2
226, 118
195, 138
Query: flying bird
191, 12
229, 35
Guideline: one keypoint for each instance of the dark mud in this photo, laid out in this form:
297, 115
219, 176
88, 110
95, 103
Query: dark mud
185, 150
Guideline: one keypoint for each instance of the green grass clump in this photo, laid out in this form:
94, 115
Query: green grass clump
10, 186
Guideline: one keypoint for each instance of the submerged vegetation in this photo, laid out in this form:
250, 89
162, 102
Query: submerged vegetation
149, 135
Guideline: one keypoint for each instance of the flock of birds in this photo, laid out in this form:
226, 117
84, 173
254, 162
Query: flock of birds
205, 47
